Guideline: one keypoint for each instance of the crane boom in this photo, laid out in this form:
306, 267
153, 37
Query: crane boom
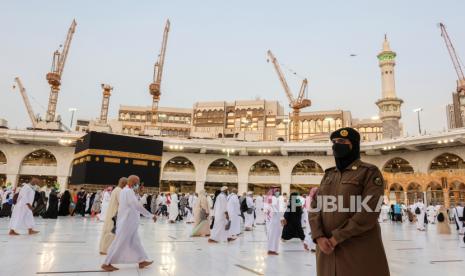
281, 77
30, 112
155, 86
295, 104
161, 59
303, 88
454, 57
54, 76
64, 52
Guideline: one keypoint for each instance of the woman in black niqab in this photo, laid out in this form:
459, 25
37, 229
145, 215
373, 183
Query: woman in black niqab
64, 204
52, 209
292, 220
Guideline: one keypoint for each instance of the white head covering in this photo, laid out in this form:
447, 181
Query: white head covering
249, 193
224, 188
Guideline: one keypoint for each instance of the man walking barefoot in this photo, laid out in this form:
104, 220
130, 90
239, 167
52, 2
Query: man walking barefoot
22, 217
127, 248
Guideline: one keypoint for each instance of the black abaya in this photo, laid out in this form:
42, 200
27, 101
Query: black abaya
40, 204
64, 204
293, 227
52, 210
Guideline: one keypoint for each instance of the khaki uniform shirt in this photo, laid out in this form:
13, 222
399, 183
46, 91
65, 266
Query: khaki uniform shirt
360, 250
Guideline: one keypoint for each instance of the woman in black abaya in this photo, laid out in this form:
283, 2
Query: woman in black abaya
292, 220
52, 210
64, 204
40, 204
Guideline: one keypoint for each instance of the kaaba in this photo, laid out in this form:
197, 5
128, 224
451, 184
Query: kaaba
102, 159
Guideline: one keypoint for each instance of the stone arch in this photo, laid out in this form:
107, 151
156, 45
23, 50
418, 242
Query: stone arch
222, 166
178, 175
221, 172
305, 174
396, 193
263, 174
413, 186
457, 192
397, 165
264, 166
39, 163
459, 186
39, 157
414, 192
396, 187
3, 159
307, 166
446, 161
433, 186
434, 193
179, 162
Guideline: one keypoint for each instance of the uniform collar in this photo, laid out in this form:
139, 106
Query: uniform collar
352, 167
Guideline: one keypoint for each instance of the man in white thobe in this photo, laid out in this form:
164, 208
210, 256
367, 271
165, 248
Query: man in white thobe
191, 199
234, 213
282, 201
105, 202
273, 222
173, 209
22, 217
458, 213
127, 248
249, 214
260, 215
220, 211
384, 214
421, 216
107, 236
431, 214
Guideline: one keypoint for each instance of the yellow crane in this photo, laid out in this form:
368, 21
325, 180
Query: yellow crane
155, 86
105, 102
54, 76
30, 112
295, 103
455, 60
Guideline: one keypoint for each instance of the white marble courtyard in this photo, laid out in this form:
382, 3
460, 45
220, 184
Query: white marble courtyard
69, 246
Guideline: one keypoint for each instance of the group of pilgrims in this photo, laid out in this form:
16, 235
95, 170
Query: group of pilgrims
423, 215
49, 203
221, 217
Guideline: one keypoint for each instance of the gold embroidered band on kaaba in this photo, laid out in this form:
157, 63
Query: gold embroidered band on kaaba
116, 154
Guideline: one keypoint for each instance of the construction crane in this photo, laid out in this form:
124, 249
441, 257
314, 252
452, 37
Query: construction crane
295, 104
54, 76
155, 86
30, 112
455, 60
105, 102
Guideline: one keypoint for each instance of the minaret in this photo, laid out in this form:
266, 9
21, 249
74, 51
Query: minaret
389, 104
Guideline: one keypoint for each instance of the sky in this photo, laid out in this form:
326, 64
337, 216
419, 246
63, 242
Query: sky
217, 52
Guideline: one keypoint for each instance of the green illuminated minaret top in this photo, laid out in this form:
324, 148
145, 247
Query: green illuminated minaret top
387, 54
389, 105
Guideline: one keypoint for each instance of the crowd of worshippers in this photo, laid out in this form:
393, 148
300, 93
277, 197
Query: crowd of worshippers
422, 215
224, 215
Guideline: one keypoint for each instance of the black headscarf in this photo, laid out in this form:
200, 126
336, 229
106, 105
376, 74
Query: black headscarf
354, 154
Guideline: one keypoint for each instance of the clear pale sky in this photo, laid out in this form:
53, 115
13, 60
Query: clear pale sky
217, 51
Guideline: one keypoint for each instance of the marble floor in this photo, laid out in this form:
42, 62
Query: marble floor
69, 246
